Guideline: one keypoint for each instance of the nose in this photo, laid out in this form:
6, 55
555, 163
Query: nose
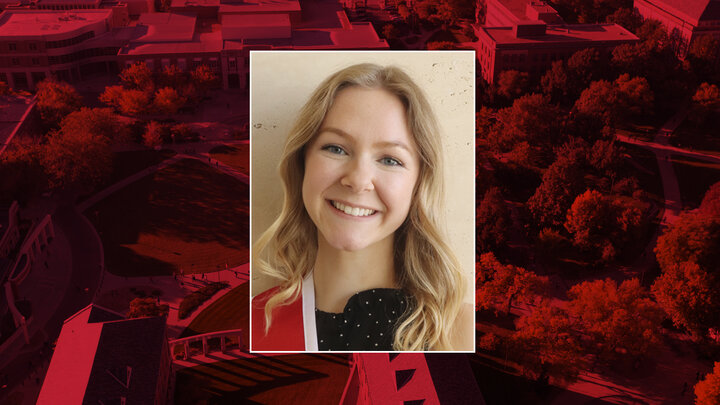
358, 175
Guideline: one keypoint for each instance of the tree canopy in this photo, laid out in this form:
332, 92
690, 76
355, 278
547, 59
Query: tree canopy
707, 391
55, 100
504, 283
616, 317
145, 307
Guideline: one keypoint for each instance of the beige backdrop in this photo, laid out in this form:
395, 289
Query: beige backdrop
282, 81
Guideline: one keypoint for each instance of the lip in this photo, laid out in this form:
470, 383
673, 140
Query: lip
348, 216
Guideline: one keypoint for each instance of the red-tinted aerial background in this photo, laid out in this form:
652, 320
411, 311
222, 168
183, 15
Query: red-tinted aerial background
124, 162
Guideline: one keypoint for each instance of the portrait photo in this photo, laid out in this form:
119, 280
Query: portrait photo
362, 200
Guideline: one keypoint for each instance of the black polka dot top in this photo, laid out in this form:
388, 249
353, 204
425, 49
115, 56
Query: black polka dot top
367, 322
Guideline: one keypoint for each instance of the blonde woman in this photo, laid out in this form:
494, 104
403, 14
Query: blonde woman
358, 247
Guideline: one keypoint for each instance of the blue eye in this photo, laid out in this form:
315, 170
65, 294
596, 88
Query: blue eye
334, 149
388, 161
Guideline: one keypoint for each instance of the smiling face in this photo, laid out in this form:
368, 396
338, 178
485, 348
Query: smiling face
360, 170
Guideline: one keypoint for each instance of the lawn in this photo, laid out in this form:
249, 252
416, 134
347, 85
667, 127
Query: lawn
236, 156
187, 217
296, 378
229, 312
694, 177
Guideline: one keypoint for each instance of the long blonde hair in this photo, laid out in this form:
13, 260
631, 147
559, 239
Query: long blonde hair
425, 266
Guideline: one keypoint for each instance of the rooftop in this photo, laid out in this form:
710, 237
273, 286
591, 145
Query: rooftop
691, 10
199, 43
519, 7
68, 1
562, 33
165, 27
96, 346
36, 22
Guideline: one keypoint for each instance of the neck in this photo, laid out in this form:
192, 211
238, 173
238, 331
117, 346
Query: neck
339, 274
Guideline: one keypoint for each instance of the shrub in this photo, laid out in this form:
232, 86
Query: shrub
196, 298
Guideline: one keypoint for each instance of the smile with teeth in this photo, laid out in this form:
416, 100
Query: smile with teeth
354, 211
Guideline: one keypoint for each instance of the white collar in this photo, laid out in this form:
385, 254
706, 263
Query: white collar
308, 304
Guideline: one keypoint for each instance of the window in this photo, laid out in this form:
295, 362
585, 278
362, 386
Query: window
13, 47
33, 47
35, 61
15, 61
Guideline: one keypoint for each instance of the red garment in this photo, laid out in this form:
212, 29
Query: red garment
286, 329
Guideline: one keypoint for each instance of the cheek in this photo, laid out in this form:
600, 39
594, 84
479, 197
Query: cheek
316, 179
398, 192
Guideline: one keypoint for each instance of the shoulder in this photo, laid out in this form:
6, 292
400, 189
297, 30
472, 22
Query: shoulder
286, 327
463, 329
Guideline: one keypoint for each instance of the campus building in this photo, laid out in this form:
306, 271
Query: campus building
506, 13
684, 20
220, 34
411, 378
533, 46
35, 44
103, 358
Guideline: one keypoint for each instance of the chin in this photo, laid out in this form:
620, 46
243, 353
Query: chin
348, 246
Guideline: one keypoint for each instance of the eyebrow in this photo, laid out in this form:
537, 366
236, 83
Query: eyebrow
344, 134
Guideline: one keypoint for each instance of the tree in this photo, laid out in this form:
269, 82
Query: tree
484, 121
604, 224
634, 96
496, 282
99, 121
171, 76
706, 101
76, 159
138, 77
168, 101
155, 134
512, 83
710, 205
183, 133
583, 67
707, 390
134, 102
548, 344
605, 157
440, 45
203, 78
627, 18
689, 286
555, 82
599, 100
55, 100
403, 10
654, 36
693, 238
690, 296
561, 183
634, 59
145, 307
616, 317
531, 118
589, 220
389, 31
492, 221
112, 96
704, 57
